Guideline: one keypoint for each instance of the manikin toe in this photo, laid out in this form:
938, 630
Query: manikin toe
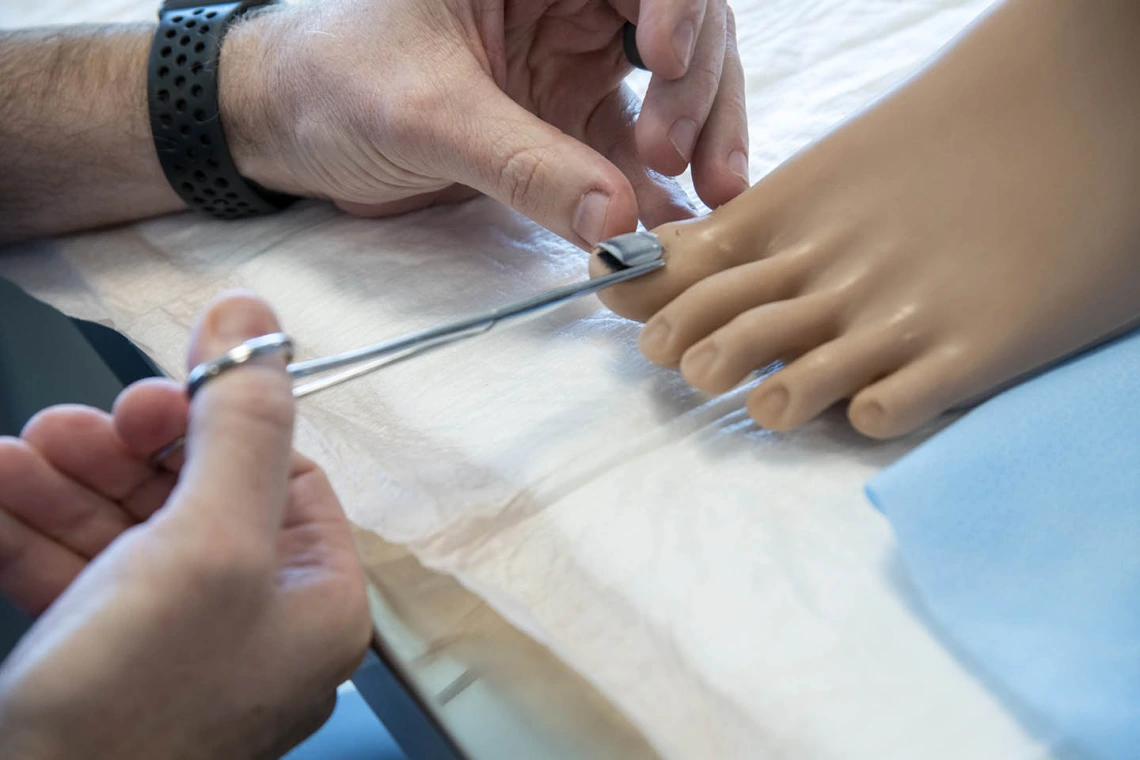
979, 223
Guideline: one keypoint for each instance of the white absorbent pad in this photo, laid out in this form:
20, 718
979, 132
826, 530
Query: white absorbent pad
729, 589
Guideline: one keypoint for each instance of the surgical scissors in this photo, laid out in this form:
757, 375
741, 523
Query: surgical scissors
630, 256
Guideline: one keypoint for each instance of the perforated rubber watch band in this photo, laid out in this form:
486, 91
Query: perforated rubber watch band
185, 119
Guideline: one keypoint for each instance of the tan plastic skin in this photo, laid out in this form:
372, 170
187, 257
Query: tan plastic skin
979, 223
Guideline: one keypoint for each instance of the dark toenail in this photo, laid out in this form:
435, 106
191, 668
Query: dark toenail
771, 405
655, 336
700, 360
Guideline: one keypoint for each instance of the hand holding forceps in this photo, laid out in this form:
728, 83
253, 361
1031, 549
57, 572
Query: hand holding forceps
630, 256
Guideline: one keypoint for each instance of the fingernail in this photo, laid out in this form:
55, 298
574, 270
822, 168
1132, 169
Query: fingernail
738, 165
771, 406
655, 335
683, 40
700, 360
683, 135
590, 217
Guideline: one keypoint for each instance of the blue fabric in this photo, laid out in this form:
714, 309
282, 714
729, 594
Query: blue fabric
1020, 527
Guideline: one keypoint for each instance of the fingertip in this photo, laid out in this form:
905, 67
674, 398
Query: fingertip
230, 319
654, 144
666, 44
718, 182
61, 421
150, 414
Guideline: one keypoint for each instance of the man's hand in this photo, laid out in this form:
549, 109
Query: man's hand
386, 106
206, 610
389, 106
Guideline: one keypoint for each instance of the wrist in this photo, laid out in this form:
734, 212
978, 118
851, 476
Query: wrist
255, 100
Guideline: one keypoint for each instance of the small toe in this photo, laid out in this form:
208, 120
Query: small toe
918, 392
714, 302
757, 338
823, 376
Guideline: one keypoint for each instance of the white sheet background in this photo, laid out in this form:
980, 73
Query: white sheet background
729, 589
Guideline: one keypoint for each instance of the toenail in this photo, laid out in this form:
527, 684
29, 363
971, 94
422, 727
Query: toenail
656, 334
700, 360
683, 135
771, 405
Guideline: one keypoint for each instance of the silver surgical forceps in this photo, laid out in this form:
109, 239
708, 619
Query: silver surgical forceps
630, 256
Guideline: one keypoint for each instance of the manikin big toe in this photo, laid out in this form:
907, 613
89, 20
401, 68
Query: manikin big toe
694, 250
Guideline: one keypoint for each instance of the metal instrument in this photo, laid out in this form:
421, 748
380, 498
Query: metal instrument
630, 256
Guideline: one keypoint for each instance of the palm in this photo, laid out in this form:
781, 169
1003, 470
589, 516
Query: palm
563, 66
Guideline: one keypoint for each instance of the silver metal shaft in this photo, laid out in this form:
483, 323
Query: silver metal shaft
370, 358
633, 255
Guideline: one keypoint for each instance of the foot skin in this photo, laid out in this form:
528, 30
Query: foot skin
981, 222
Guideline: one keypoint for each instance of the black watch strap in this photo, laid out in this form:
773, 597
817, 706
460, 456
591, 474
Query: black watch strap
182, 85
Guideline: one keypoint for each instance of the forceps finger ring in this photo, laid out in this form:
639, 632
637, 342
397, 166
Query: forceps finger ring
263, 345
239, 355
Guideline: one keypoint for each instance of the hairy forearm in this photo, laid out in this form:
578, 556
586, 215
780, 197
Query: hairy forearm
75, 142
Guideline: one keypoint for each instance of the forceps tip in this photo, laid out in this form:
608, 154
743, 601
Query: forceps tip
629, 250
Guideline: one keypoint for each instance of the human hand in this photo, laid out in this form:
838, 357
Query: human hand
387, 107
206, 610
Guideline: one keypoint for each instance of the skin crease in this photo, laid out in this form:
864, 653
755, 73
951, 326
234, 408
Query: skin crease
977, 224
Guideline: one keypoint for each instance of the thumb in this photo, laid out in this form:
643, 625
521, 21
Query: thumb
508, 153
240, 435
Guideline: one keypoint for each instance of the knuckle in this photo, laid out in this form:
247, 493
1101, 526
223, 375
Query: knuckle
733, 109
702, 81
907, 326
520, 176
749, 323
719, 248
818, 363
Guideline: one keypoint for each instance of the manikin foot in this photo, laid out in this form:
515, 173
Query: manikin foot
981, 222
